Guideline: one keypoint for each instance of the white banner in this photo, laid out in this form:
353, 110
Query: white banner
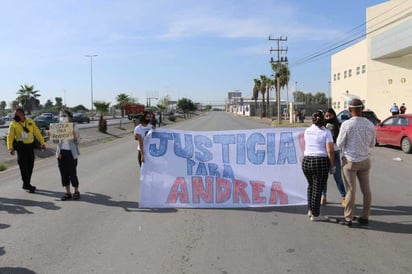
216, 169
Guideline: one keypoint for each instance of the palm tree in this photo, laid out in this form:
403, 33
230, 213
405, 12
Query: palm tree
264, 81
256, 89
102, 107
122, 100
28, 97
284, 74
269, 87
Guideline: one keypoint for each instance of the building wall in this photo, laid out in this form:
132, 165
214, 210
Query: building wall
387, 53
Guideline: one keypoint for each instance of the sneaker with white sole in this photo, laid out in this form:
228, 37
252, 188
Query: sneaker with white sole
309, 213
319, 218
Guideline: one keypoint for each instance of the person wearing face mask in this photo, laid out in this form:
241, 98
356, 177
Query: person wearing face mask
318, 161
67, 152
332, 123
20, 139
140, 132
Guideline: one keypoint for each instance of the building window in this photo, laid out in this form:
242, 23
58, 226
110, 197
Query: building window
338, 105
363, 69
390, 81
403, 80
345, 74
350, 73
345, 104
339, 76
357, 70
334, 105
334, 77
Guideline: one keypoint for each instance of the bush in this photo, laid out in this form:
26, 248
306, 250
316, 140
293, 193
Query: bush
2, 167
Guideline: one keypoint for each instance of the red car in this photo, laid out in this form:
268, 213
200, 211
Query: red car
396, 131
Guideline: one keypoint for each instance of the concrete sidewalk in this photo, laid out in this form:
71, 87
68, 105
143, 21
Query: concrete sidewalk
88, 136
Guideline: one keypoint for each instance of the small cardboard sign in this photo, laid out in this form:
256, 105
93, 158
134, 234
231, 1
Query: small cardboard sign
61, 131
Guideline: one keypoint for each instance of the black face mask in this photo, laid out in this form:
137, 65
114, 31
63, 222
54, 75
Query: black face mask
17, 118
329, 121
146, 121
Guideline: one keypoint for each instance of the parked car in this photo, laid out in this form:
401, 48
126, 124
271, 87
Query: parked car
395, 131
80, 118
2, 120
345, 115
43, 122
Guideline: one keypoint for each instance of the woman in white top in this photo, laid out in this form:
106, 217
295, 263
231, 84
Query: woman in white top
318, 161
67, 153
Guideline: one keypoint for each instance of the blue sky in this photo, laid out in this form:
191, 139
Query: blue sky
198, 49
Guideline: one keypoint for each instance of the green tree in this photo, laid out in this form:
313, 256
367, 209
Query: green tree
122, 100
48, 104
281, 71
59, 102
3, 106
263, 88
256, 89
79, 108
102, 107
27, 97
163, 104
186, 105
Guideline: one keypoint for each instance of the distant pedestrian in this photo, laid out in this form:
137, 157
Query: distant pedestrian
402, 109
140, 132
67, 152
20, 137
394, 109
355, 138
160, 118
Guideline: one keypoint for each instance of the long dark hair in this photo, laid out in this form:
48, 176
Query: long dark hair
318, 118
334, 122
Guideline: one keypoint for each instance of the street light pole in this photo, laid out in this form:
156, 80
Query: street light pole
91, 80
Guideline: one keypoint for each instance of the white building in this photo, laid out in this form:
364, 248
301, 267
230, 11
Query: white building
379, 68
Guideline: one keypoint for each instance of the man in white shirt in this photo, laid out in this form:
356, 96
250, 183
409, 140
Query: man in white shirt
356, 136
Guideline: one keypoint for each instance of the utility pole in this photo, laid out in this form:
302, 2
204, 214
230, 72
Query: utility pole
150, 96
280, 60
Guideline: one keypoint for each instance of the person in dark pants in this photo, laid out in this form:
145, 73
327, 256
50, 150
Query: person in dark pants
318, 161
20, 138
67, 153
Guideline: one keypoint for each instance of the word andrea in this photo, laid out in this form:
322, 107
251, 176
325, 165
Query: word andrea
221, 190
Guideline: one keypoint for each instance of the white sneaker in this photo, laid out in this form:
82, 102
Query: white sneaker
319, 218
309, 213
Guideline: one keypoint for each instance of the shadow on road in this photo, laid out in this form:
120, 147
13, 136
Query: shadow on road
16, 270
18, 206
335, 210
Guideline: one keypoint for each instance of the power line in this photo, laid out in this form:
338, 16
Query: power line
317, 54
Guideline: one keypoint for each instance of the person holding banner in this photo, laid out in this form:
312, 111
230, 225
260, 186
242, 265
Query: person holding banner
318, 161
140, 132
356, 137
20, 138
332, 124
67, 152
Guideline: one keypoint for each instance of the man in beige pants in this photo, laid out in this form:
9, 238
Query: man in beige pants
355, 138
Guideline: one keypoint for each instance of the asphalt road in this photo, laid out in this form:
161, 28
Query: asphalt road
106, 232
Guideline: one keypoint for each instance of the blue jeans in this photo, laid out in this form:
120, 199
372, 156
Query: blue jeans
337, 176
